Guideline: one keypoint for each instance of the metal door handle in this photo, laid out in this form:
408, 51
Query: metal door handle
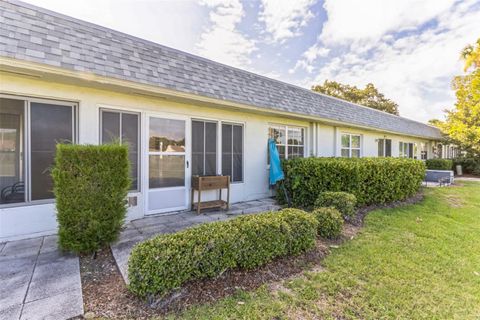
187, 164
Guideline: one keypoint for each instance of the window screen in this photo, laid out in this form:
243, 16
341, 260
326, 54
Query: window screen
204, 148
232, 151
123, 127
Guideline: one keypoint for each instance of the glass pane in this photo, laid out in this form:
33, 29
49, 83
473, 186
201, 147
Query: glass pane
237, 168
238, 139
278, 134
381, 147
211, 164
345, 140
12, 185
355, 153
167, 135
130, 137
355, 141
345, 153
210, 148
198, 146
295, 136
281, 151
166, 171
388, 148
50, 124
110, 126
227, 149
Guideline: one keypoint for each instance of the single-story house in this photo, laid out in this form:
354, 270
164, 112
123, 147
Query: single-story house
63, 79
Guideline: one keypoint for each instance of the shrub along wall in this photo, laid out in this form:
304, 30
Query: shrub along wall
469, 165
439, 164
90, 186
168, 261
371, 180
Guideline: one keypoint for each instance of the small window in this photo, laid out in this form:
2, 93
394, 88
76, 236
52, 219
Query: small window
350, 145
384, 147
406, 150
204, 148
232, 151
290, 141
123, 127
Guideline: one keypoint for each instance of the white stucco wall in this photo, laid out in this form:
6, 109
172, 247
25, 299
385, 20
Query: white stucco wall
322, 140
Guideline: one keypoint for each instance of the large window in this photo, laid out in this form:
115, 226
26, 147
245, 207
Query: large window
290, 141
204, 148
351, 145
123, 127
384, 147
29, 132
405, 150
232, 151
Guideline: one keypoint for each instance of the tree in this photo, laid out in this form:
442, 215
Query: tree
435, 122
368, 97
462, 123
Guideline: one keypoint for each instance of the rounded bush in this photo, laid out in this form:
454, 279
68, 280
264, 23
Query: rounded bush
90, 185
168, 261
342, 201
330, 222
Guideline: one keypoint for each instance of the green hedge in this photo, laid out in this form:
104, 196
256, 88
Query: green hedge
371, 180
168, 261
439, 164
342, 201
330, 222
469, 165
90, 186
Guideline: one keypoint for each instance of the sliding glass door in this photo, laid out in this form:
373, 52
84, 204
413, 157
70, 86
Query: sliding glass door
29, 132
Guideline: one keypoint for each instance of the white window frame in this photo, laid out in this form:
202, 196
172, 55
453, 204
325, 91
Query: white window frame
139, 139
401, 150
286, 145
384, 150
350, 148
218, 133
243, 148
27, 143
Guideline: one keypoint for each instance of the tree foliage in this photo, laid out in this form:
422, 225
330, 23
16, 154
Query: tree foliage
462, 123
369, 96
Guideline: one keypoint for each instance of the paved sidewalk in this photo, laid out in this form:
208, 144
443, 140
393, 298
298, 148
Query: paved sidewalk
37, 281
143, 229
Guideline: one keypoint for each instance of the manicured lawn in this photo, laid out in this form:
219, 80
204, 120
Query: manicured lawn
418, 261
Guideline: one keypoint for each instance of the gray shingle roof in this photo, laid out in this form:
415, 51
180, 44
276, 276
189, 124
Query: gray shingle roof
38, 35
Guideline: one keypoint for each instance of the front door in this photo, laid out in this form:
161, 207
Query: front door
167, 164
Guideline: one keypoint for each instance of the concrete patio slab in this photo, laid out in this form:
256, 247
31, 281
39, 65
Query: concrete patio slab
146, 228
38, 281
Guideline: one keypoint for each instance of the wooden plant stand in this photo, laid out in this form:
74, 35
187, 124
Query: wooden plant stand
205, 183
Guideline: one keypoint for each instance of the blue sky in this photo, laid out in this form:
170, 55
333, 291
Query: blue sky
409, 49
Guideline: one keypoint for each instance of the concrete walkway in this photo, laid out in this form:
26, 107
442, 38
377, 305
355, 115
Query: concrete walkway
37, 281
143, 229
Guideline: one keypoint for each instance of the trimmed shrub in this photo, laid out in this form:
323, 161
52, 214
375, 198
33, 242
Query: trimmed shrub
330, 222
342, 201
371, 180
168, 261
90, 186
439, 164
469, 165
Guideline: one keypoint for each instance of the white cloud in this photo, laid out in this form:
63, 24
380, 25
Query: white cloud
222, 41
415, 69
309, 57
284, 18
352, 20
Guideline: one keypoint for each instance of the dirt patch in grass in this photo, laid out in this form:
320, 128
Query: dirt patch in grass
454, 201
106, 296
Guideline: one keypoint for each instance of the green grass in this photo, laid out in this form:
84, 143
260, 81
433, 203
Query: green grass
415, 262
